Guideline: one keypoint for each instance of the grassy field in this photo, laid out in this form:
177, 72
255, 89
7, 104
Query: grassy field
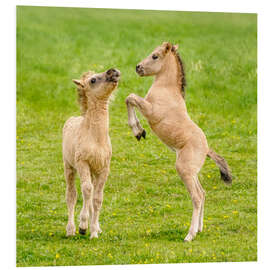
146, 210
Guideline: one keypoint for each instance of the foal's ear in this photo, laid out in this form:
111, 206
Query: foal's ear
167, 46
175, 48
78, 82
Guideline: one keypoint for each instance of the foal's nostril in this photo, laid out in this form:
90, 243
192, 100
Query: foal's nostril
138, 67
111, 72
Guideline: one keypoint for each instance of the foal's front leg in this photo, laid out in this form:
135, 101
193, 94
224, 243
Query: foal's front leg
144, 107
87, 190
97, 202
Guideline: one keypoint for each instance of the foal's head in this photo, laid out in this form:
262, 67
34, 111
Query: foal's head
153, 63
93, 86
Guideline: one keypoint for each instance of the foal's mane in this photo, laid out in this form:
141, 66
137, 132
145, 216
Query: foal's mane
82, 98
181, 73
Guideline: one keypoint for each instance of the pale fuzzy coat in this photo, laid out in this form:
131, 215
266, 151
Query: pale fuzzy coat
165, 110
87, 148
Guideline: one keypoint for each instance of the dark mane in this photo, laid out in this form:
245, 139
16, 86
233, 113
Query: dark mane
182, 79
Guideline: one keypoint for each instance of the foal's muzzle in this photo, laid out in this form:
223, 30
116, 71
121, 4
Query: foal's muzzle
112, 75
139, 69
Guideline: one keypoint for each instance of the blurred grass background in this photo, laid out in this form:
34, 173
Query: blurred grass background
146, 210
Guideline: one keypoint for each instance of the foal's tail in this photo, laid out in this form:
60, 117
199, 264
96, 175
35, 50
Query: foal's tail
223, 166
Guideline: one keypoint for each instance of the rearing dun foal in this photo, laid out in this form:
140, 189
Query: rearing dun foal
165, 110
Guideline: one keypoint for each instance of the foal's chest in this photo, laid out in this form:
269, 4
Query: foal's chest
98, 155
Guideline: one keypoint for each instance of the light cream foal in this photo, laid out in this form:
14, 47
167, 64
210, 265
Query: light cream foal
87, 148
165, 110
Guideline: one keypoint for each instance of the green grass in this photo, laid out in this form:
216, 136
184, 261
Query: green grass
146, 210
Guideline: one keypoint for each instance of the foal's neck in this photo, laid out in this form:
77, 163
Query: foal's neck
169, 76
96, 119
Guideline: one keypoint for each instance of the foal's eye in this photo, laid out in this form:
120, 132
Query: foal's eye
93, 80
154, 56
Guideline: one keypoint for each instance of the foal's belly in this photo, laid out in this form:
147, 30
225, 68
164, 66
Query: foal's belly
176, 134
170, 134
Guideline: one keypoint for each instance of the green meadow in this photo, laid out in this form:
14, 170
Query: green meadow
146, 210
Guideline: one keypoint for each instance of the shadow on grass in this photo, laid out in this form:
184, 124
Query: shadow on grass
52, 236
169, 235
173, 235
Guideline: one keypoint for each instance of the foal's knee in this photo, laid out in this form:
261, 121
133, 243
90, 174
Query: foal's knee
130, 99
87, 189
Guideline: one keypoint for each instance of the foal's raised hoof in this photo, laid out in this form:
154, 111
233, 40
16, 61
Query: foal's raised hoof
82, 231
143, 134
138, 137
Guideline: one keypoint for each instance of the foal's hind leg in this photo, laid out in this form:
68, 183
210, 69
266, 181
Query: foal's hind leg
188, 169
199, 186
71, 198
197, 201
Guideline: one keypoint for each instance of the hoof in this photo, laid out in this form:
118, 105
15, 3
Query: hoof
82, 231
94, 235
144, 134
138, 137
70, 230
189, 238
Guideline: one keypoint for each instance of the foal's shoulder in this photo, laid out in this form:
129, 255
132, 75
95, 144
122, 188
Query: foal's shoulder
72, 122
